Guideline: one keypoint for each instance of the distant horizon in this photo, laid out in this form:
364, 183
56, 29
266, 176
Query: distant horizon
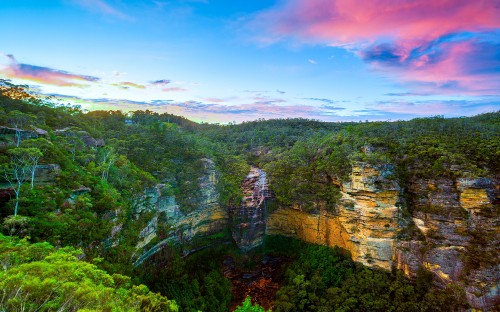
296, 117
215, 61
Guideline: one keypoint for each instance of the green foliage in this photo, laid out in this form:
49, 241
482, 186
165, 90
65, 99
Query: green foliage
325, 279
297, 177
39, 278
195, 282
247, 306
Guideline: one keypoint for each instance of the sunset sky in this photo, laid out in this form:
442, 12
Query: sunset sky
225, 61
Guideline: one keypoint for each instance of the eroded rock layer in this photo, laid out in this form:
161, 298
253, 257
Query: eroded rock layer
248, 219
170, 225
364, 223
459, 220
449, 226
452, 229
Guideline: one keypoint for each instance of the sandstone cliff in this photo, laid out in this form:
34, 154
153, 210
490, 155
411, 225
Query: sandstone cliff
449, 226
459, 220
365, 221
452, 230
169, 225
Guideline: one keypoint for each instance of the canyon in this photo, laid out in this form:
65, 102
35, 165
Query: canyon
371, 221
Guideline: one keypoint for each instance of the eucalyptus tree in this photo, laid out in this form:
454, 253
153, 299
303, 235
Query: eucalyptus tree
23, 161
20, 121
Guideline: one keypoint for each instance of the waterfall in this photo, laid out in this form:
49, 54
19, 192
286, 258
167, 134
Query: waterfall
249, 218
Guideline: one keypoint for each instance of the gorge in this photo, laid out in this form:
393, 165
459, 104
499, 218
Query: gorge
204, 216
367, 223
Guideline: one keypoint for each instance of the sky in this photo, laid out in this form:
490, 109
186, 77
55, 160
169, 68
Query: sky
239, 60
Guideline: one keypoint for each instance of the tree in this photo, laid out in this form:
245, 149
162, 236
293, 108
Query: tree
73, 140
36, 277
22, 162
247, 306
107, 159
20, 121
43, 145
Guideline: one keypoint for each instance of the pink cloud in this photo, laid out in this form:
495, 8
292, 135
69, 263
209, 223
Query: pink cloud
348, 21
436, 41
43, 75
214, 100
173, 89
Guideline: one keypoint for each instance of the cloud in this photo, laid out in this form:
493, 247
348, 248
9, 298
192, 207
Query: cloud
209, 111
44, 75
332, 108
451, 43
161, 82
127, 84
311, 61
102, 7
215, 100
452, 63
173, 89
451, 108
328, 101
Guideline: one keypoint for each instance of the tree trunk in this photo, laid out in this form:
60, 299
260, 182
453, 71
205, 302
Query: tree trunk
17, 198
18, 138
33, 176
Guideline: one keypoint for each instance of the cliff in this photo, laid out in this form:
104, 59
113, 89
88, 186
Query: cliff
459, 220
167, 224
365, 221
452, 230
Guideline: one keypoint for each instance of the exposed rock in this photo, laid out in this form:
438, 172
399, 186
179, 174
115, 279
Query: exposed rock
454, 225
85, 137
323, 228
90, 141
248, 219
460, 223
40, 132
184, 229
76, 193
365, 222
9, 135
47, 173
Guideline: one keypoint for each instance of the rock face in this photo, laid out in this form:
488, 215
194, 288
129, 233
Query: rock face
453, 229
459, 220
364, 223
248, 219
169, 225
47, 173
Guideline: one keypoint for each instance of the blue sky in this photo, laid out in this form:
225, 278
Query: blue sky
225, 61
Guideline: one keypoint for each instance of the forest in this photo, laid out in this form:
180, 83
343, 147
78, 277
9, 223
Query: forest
69, 176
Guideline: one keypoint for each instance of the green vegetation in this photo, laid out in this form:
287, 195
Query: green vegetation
421, 148
326, 279
196, 282
247, 306
37, 277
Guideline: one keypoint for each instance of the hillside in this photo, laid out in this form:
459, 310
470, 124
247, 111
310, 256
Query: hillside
301, 215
